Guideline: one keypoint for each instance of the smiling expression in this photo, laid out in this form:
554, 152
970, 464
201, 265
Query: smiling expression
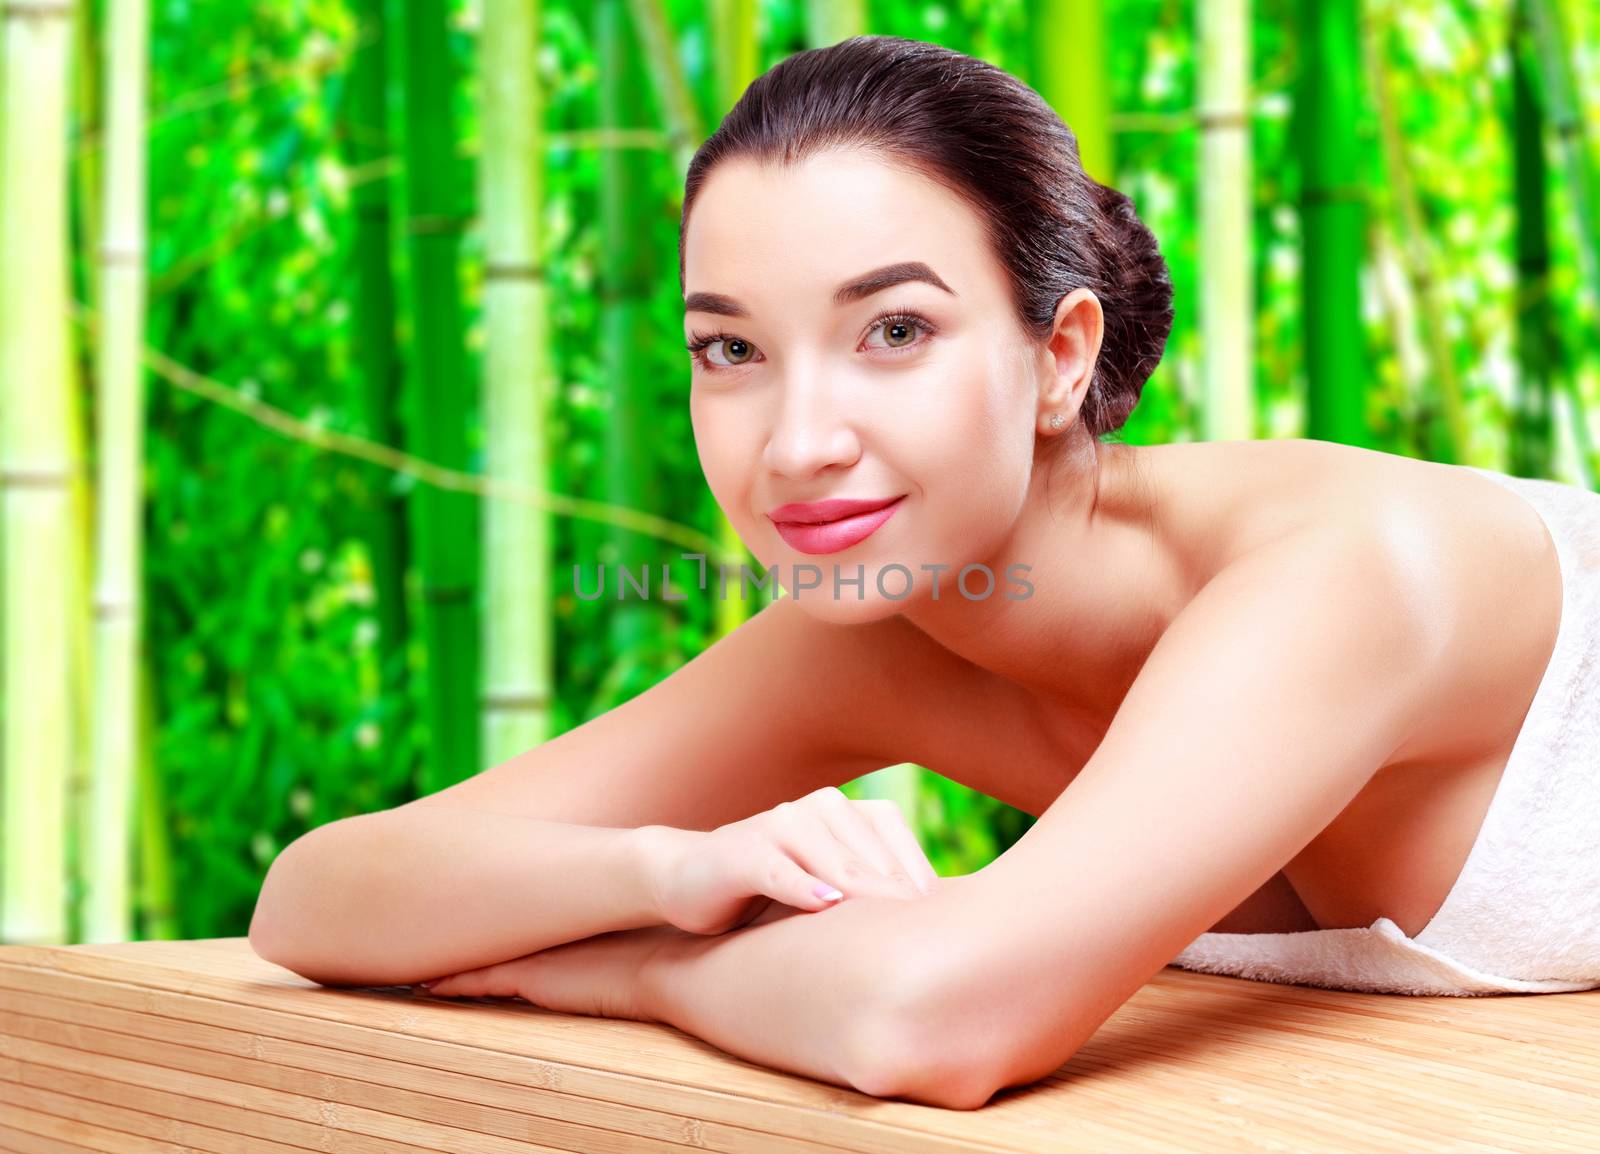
852, 335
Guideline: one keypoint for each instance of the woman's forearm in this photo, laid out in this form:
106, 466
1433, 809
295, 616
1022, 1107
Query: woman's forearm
813, 993
411, 893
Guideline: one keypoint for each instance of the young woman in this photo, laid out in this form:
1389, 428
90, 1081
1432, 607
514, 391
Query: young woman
1291, 709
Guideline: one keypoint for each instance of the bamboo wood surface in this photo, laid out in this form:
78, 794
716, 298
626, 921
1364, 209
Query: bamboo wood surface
202, 1045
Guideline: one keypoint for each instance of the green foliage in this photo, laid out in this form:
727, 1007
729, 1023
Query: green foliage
273, 714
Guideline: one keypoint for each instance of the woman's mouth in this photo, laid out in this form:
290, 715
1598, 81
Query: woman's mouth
832, 536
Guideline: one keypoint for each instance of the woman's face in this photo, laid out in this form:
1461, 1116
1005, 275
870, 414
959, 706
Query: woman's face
810, 393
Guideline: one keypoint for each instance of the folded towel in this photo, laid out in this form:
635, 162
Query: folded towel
1379, 959
1524, 915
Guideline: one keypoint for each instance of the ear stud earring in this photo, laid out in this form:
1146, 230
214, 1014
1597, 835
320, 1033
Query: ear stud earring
1057, 420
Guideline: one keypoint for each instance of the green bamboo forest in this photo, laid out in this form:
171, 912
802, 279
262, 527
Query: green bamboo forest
333, 333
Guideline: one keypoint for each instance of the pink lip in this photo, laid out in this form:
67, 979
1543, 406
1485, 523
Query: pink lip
816, 512
850, 522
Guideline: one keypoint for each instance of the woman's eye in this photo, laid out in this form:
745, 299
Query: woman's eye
737, 348
899, 332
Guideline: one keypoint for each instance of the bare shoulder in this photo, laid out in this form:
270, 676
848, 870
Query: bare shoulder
780, 706
1465, 538
1364, 526
1362, 572
1478, 572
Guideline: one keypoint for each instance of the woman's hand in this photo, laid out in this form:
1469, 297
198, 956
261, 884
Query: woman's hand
794, 853
602, 976
598, 976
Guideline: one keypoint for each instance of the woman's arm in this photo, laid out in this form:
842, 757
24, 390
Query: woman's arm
401, 895
821, 994
1262, 711
814, 995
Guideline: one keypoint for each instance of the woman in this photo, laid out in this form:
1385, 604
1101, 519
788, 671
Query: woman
1256, 692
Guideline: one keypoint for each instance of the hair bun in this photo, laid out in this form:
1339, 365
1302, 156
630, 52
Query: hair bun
1135, 292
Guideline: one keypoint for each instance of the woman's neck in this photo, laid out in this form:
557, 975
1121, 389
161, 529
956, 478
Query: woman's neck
1104, 585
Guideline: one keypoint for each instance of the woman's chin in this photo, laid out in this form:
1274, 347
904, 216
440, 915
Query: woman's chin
848, 610
848, 600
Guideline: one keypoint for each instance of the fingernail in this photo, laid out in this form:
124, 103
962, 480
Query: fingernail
826, 892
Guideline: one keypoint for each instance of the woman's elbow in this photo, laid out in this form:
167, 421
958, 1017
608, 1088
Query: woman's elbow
278, 917
265, 934
920, 1051
952, 1068
946, 1079
962, 1036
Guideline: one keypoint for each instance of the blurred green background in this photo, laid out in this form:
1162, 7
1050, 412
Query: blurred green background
333, 332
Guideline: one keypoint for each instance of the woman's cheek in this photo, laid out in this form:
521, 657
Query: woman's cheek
726, 462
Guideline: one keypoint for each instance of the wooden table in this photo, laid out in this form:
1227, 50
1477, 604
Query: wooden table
201, 1045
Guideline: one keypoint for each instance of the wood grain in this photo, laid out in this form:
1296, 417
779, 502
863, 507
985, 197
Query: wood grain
203, 1046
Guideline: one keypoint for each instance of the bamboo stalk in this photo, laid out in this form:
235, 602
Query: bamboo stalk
156, 904
1531, 429
1226, 289
120, 430
625, 277
86, 164
1553, 89
373, 332
1567, 122
84, 224
445, 524
1068, 53
36, 472
78, 581
518, 383
1333, 220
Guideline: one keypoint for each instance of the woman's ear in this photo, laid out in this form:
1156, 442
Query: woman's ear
1068, 360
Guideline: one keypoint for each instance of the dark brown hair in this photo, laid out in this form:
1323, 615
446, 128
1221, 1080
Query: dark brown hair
989, 138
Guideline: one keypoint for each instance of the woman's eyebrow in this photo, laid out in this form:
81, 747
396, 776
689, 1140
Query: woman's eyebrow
855, 289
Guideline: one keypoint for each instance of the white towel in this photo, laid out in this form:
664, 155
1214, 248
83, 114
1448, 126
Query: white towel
1377, 959
1524, 916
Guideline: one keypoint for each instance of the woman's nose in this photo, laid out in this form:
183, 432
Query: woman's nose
810, 429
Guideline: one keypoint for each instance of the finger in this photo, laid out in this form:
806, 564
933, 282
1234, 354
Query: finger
496, 981
851, 826
898, 836
778, 876
818, 851
461, 985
